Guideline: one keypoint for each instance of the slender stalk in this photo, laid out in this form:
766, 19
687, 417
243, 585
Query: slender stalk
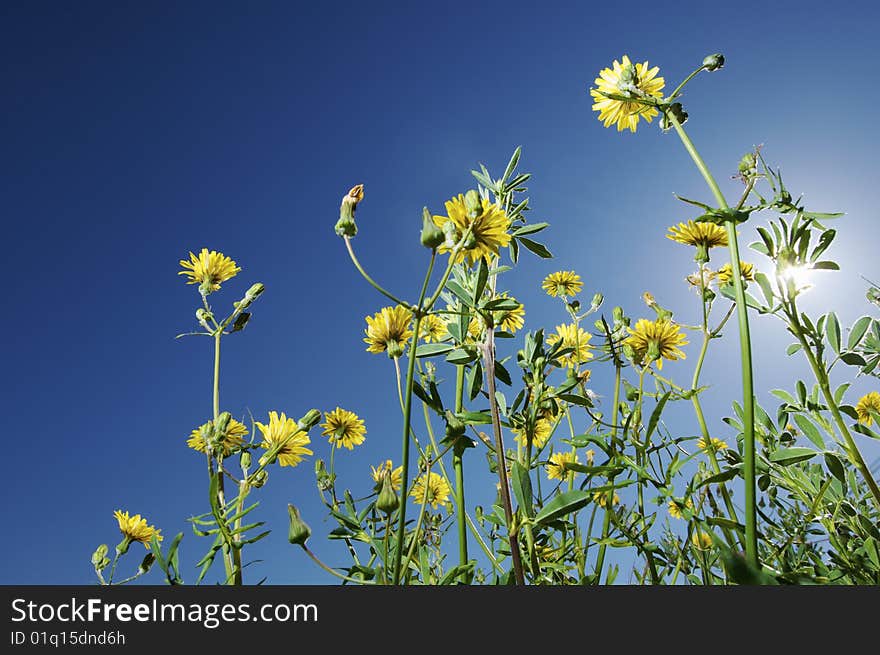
372, 282
332, 571
233, 573
606, 523
457, 466
745, 350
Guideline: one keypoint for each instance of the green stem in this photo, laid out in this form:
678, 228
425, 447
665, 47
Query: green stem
457, 466
745, 351
606, 523
332, 571
372, 282
233, 573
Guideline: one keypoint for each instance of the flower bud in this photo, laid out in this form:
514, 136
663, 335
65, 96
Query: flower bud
432, 236
99, 557
309, 420
203, 316
617, 314
597, 301
713, 62
259, 478
748, 164
473, 204
394, 349
345, 226
250, 296
146, 563
299, 531
245, 459
387, 501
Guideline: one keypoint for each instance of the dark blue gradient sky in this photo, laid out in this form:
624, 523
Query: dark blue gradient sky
133, 133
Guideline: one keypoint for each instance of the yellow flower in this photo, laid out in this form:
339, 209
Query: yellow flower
562, 283
388, 329
135, 528
656, 341
725, 273
432, 328
601, 498
283, 433
590, 455
434, 486
675, 508
543, 430
231, 441
701, 235
208, 269
574, 337
344, 428
865, 405
713, 444
632, 81
556, 466
489, 229
386, 469
701, 540
509, 320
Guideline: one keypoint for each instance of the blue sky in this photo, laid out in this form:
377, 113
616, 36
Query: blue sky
134, 133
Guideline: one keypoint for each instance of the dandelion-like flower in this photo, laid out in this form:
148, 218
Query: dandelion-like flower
702, 236
230, 442
284, 433
725, 273
208, 269
510, 320
656, 341
543, 430
434, 486
868, 402
631, 81
344, 428
574, 337
701, 540
489, 229
556, 466
562, 283
675, 508
713, 444
388, 329
386, 468
601, 498
432, 328
135, 528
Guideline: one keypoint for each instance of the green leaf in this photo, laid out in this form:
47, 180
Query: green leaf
858, 331
832, 330
522, 488
460, 292
824, 241
784, 396
724, 476
462, 570
841, 390
474, 380
826, 266
500, 304
810, 431
460, 356
431, 349
565, 503
835, 466
511, 165
655, 415
766, 288
502, 403
502, 374
476, 418
529, 229
759, 247
538, 248
792, 349
788, 456
853, 359
819, 216
482, 277
768, 241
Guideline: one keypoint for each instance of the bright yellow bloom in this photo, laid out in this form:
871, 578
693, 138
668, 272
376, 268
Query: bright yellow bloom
701, 540
675, 508
865, 405
632, 81
543, 430
344, 428
725, 273
601, 498
562, 283
556, 466
489, 229
509, 320
713, 444
701, 235
656, 341
208, 269
574, 337
434, 486
387, 329
432, 328
284, 433
386, 469
231, 441
135, 528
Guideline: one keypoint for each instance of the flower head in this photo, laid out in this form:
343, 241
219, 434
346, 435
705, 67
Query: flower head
284, 434
702, 236
556, 466
628, 80
725, 273
714, 444
543, 430
488, 228
574, 337
675, 508
601, 498
344, 428
432, 328
509, 320
562, 283
385, 468
701, 540
231, 440
388, 330
432, 489
135, 528
208, 269
867, 403
656, 341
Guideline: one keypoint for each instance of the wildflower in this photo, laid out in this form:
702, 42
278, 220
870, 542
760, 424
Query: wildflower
208, 270
701, 540
574, 337
556, 466
488, 228
701, 235
630, 81
867, 403
656, 341
344, 428
562, 283
345, 226
601, 498
135, 528
675, 508
231, 440
713, 444
388, 330
509, 320
283, 434
433, 489
725, 273
396, 475
543, 430
432, 328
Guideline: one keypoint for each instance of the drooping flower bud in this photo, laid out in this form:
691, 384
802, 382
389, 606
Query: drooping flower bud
299, 531
432, 236
345, 226
713, 62
598, 299
245, 459
203, 316
387, 501
250, 296
260, 478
